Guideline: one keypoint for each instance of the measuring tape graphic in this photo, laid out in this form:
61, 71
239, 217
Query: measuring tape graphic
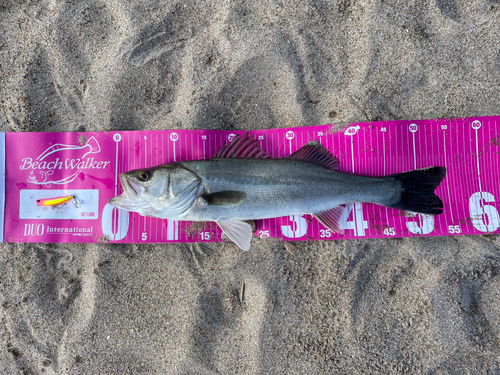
469, 148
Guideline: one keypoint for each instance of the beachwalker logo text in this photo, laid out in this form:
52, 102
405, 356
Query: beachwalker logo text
53, 166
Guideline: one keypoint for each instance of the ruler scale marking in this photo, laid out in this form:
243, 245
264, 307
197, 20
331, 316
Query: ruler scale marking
472, 180
491, 135
399, 161
446, 166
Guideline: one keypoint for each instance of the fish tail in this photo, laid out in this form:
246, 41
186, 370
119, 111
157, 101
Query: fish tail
94, 145
417, 190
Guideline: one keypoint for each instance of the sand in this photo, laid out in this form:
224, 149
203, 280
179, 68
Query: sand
393, 306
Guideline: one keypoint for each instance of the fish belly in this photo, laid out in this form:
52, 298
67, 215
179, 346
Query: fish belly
281, 187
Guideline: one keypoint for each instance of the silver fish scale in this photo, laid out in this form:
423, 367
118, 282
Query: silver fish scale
282, 187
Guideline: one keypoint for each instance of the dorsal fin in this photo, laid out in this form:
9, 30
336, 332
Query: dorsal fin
315, 153
244, 147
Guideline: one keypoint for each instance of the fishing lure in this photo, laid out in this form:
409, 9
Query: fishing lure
54, 201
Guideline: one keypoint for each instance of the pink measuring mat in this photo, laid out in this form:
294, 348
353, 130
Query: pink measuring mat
86, 165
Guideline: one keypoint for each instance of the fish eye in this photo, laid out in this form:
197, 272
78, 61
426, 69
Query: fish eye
144, 176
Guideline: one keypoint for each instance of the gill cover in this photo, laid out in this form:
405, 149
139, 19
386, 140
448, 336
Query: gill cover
184, 188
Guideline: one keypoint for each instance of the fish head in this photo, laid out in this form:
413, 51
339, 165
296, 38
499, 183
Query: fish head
167, 191
145, 184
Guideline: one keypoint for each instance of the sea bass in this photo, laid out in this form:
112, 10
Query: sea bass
242, 182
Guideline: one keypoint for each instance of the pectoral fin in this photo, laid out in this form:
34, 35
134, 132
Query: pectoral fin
225, 198
238, 231
331, 219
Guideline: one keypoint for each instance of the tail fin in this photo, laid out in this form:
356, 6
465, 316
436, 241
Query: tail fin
94, 145
417, 192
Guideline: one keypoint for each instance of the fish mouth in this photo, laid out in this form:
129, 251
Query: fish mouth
130, 188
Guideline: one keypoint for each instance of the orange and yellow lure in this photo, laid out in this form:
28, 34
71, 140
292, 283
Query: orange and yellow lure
54, 201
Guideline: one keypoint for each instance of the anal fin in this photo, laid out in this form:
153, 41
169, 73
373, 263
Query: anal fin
238, 231
331, 219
